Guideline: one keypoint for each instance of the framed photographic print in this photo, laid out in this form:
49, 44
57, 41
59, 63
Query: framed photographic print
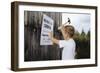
52, 36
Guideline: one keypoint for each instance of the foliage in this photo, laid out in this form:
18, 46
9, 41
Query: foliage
82, 45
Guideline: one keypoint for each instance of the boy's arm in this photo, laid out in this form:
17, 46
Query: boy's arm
61, 28
54, 40
63, 32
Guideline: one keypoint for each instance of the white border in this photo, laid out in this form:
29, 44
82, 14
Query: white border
33, 64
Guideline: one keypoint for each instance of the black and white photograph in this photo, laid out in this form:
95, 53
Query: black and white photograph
41, 27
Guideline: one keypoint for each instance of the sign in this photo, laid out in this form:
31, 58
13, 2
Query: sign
47, 26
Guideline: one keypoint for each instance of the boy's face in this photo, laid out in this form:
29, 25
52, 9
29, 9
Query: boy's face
65, 32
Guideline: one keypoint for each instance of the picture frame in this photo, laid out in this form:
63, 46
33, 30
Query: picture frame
27, 18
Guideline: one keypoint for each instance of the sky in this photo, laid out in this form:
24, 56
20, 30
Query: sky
79, 21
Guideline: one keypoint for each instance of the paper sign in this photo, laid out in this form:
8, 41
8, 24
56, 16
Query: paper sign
47, 26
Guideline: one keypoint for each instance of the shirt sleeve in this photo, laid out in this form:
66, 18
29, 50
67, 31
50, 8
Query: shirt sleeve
62, 43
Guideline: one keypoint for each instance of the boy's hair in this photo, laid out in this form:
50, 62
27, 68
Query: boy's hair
70, 30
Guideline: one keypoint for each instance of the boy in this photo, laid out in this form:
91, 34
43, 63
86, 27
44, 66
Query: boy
68, 44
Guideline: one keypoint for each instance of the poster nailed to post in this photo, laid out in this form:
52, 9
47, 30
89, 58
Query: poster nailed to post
47, 26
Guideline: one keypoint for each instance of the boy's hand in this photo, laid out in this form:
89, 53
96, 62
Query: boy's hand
54, 40
59, 27
50, 34
63, 25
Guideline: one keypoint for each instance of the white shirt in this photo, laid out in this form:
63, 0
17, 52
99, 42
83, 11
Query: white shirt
68, 49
